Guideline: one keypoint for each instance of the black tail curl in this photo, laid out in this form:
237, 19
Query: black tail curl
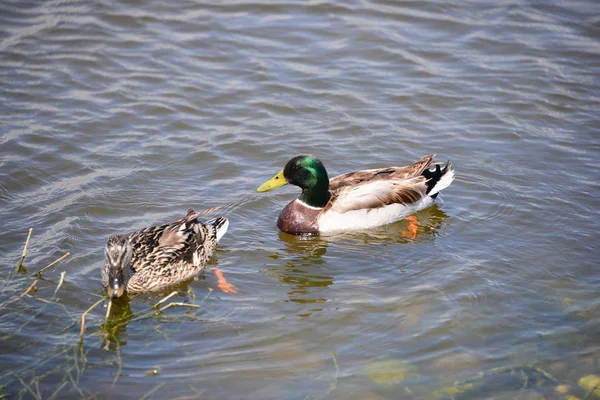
434, 175
218, 222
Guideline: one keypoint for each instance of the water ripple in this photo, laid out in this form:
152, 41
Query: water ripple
117, 115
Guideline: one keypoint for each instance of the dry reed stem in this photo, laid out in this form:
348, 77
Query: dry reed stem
150, 393
60, 282
157, 305
82, 352
75, 384
30, 288
83, 318
210, 290
53, 263
60, 387
45, 301
108, 309
27, 387
27, 242
173, 304
20, 263
152, 313
75, 362
146, 313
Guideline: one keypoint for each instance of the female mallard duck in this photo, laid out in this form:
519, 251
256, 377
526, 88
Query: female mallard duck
357, 200
159, 256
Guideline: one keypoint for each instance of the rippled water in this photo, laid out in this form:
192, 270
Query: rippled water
118, 114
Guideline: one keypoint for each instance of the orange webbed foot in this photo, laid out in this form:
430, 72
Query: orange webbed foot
413, 224
225, 286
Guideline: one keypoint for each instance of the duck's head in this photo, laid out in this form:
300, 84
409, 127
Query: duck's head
118, 257
307, 172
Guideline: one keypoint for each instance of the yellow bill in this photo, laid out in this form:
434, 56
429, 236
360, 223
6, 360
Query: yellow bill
273, 183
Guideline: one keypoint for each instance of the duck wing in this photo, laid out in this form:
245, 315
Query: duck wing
369, 175
167, 244
375, 188
377, 194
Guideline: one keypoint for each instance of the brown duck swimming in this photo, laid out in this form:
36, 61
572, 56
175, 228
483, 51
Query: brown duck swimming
153, 258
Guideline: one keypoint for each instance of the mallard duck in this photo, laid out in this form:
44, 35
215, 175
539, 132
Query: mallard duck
153, 258
357, 200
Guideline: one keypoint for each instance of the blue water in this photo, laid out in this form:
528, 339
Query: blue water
119, 115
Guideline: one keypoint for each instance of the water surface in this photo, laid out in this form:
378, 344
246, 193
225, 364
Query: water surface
117, 115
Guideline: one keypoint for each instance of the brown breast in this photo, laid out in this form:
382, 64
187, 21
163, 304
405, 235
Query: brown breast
297, 219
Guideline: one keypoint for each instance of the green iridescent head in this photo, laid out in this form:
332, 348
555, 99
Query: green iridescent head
309, 174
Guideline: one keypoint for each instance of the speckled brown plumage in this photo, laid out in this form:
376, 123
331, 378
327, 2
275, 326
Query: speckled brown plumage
163, 255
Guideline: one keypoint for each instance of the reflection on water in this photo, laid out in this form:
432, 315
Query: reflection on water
117, 115
306, 247
428, 224
305, 269
114, 328
303, 272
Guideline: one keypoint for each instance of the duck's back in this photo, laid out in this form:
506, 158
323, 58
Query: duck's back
166, 254
371, 175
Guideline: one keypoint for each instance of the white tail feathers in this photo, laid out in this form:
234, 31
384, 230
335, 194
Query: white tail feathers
444, 181
221, 225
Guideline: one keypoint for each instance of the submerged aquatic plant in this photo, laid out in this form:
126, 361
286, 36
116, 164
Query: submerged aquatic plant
57, 351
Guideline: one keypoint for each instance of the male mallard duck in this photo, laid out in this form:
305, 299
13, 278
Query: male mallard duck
357, 200
152, 258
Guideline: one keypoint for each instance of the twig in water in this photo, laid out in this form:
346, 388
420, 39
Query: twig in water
591, 391
75, 384
39, 273
193, 389
75, 362
30, 288
172, 304
83, 318
333, 384
60, 282
156, 389
337, 372
45, 301
108, 309
147, 313
157, 305
81, 353
34, 394
20, 263
210, 290
60, 387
